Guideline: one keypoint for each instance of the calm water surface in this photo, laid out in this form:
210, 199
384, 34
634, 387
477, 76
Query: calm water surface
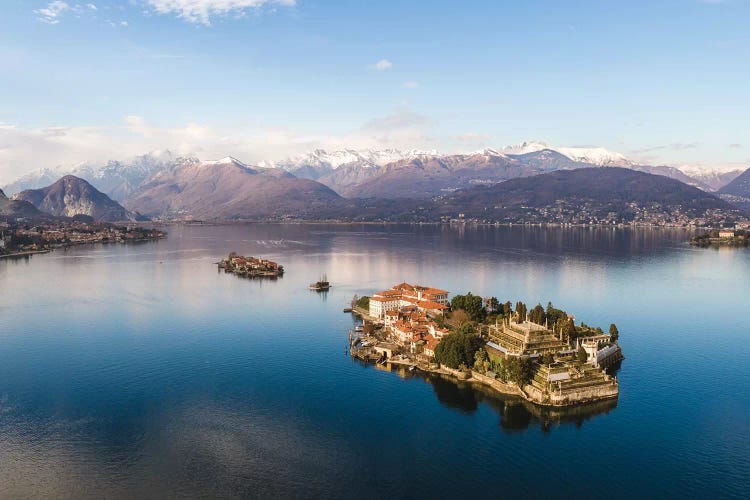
141, 371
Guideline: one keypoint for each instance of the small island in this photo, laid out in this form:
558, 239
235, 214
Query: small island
251, 267
722, 238
538, 354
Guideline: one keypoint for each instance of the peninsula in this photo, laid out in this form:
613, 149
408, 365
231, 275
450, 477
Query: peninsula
538, 354
27, 237
251, 267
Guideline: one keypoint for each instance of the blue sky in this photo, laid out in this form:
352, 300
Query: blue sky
660, 81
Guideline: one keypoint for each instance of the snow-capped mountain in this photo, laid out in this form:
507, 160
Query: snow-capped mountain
596, 156
593, 156
117, 179
325, 161
714, 178
525, 147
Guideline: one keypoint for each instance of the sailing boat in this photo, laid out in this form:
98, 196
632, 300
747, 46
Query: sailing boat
321, 285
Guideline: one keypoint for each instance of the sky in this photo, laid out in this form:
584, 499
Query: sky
661, 81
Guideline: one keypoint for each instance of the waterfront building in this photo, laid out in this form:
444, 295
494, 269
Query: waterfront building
726, 233
599, 351
431, 301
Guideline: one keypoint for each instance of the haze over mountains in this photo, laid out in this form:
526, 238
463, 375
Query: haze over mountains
321, 184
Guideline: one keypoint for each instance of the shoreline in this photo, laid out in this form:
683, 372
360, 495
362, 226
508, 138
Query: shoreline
24, 254
71, 245
585, 391
634, 225
497, 386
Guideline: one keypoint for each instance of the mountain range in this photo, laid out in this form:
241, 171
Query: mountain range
384, 173
347, 184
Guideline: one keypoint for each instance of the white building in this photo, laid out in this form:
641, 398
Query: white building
432, 301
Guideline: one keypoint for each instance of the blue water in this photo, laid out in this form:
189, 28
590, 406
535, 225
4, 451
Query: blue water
141, 371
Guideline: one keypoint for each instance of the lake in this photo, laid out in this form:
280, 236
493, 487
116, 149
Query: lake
143, 371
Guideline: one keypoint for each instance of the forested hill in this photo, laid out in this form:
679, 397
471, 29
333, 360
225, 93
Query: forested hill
603, 194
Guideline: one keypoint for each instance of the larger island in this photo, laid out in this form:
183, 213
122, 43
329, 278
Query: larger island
538, 354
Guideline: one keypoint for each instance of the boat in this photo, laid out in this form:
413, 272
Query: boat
321, 285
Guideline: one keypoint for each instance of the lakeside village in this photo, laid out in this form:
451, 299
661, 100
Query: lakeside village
20, 238
538, 354
251, 267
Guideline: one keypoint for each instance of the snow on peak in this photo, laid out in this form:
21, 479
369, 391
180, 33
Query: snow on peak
489, 152
594, 155
525, 147
321, 158
698, 170
227, 160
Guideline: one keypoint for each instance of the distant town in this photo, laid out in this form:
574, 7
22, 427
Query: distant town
539, 354
24, 237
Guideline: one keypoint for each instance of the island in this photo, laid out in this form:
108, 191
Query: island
27, 237
539, 354
251, 267
722, 238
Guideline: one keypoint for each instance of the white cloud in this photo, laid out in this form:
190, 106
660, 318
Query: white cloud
201, 11
91, 6
382, 65
411, 85
124, 23
51, 14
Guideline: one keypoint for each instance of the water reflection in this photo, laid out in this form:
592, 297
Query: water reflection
515, 413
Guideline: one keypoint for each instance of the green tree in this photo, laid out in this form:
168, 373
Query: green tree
555, 316
614, 333
518, 370
475, 307
568, 331
457, 302
472, 304
364, 302
494, 304
458, 348
537, 315
521, 311
507, 309
481, 361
